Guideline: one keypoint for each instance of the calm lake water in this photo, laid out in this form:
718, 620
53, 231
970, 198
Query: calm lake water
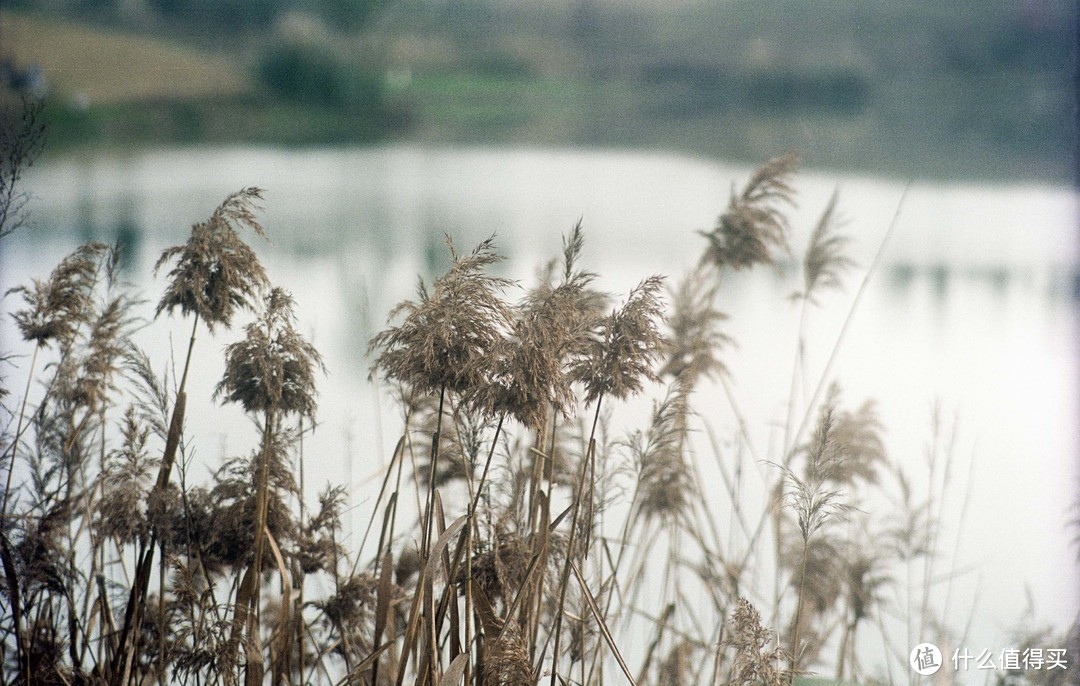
972, 310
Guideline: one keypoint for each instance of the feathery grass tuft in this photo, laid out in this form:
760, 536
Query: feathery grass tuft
55, 309
126, 483
273, 368
814, 505
825, 261
664, 481
695, 338
620, 353
216, 272
448, 338
754, 225
756, 664
549, 327
507, 662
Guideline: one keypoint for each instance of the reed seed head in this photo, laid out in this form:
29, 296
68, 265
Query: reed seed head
530, 376
273, 368
665, 485
753, 224
756, 664
353, 605
695, 337
847, 445
866, 577
449, 338
129, 474
813, 503
231, 506
858, 435
216, 272
107, 345
56, 308
623, 347
825, 261
819, 578
499, 569
507, 662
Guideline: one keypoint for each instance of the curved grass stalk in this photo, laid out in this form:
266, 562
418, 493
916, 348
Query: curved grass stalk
871, 270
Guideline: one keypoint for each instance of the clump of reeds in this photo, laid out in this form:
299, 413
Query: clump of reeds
55, 311
547, 330
519, 535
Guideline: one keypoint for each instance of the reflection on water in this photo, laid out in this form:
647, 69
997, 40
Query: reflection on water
972, 306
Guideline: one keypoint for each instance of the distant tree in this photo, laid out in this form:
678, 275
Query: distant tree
314, 75
221, 15
22, 134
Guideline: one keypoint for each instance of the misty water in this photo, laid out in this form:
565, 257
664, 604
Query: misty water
971, 310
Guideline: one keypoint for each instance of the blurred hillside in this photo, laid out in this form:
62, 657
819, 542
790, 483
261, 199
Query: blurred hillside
921, 88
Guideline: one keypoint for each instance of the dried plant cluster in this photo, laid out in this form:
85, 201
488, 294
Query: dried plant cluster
532, 544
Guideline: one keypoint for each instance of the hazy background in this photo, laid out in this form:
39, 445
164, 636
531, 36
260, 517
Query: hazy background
920, 88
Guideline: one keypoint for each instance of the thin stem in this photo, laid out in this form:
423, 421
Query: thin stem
303, 523
796, 368
187, 359
808, 414
262, 499
18, 431
565, 580
799, 608
483, 475
429, 517
432, 474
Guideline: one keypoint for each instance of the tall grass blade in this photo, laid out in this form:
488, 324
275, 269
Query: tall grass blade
454, 671
591, 601
433, 560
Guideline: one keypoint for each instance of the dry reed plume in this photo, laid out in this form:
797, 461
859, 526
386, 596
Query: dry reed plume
754, 224
214, 273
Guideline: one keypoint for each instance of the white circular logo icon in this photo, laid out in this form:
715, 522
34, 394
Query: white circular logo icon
925, 659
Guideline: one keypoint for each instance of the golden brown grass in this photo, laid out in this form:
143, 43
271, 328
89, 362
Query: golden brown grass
519, 537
